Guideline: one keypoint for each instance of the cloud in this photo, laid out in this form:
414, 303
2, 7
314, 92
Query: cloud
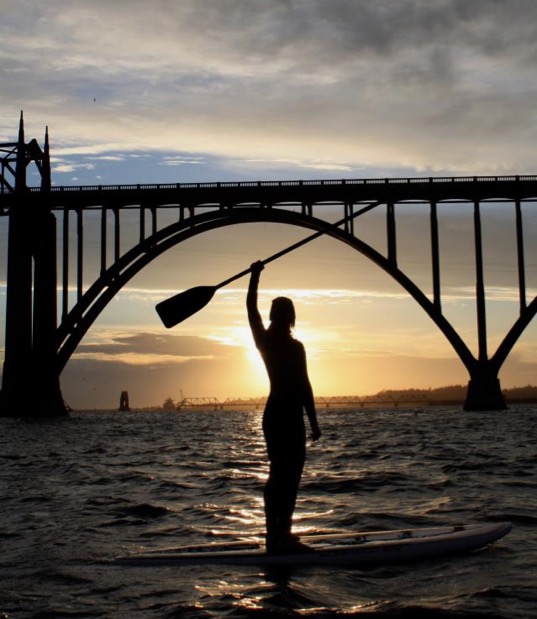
60, 167
434, 87
180, 161
149, 348
151, 371
109, 158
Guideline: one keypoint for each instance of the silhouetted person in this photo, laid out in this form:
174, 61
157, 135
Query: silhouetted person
283, 418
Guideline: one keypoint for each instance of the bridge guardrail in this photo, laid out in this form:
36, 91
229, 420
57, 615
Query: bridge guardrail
286, 183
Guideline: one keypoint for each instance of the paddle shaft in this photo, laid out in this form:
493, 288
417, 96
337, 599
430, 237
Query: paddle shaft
298, 244
184, 304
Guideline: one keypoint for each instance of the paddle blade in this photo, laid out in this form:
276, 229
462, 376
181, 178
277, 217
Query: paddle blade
174, 310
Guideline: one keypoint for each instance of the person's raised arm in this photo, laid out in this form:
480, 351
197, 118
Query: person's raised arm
254, 317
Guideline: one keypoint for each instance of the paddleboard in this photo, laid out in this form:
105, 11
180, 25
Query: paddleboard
350, 548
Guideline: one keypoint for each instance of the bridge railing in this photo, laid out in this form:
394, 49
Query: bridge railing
287, 183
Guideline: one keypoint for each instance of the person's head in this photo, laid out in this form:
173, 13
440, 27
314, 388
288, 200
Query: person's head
282, 313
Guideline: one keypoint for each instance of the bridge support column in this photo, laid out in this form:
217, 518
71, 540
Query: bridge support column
484, 391
30, 380
18, 340
49, 398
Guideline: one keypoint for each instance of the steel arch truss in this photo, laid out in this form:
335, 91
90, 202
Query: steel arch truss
81, 316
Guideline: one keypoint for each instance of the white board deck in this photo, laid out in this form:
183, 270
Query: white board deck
360, 549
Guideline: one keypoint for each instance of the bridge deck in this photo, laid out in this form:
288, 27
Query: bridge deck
270, 193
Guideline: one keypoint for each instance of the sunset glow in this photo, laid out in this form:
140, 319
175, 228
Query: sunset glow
197, 92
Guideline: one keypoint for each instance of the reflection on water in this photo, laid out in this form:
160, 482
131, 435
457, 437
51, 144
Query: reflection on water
78, 492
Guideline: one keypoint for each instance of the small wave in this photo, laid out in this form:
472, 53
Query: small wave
37, 499
168, 532
140, 514
368, 481
515, 519
146, 510
188, 611
171, 486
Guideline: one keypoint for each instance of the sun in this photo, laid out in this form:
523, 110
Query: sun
255, 381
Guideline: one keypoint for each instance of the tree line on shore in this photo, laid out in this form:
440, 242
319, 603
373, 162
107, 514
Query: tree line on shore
457, 393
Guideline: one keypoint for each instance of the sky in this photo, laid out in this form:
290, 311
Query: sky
215, 90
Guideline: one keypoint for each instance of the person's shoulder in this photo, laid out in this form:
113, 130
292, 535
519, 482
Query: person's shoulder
298, 344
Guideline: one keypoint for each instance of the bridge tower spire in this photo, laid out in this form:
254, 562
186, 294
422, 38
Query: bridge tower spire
20, 159
31, 322
46, 174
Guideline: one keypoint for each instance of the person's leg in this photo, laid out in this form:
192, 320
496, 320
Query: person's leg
289, 542
273, 487
272, 516
280, 499
286, 448
289, 490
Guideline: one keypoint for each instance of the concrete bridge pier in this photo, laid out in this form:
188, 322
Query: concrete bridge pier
49, 400
484, 391
30, 380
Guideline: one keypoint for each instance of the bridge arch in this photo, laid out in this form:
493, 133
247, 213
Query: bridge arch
75, 325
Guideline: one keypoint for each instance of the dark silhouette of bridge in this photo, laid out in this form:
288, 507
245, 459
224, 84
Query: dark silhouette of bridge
41, 337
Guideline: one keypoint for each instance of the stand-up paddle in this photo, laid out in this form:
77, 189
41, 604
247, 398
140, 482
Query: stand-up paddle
181, 306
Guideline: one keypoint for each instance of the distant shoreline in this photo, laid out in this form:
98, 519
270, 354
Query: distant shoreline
453, 395
320, 405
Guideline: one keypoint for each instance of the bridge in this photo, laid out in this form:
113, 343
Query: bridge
41, 337
342, 401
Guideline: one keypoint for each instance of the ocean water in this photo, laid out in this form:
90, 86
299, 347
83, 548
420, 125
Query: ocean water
76, 493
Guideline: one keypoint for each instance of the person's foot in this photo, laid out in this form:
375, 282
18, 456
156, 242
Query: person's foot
293, 546
289, 545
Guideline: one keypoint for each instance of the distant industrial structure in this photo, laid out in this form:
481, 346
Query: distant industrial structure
124, 402
351, 401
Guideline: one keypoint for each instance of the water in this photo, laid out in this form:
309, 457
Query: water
76, 493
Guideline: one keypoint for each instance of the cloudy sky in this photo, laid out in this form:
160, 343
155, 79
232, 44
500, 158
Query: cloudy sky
197, 90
